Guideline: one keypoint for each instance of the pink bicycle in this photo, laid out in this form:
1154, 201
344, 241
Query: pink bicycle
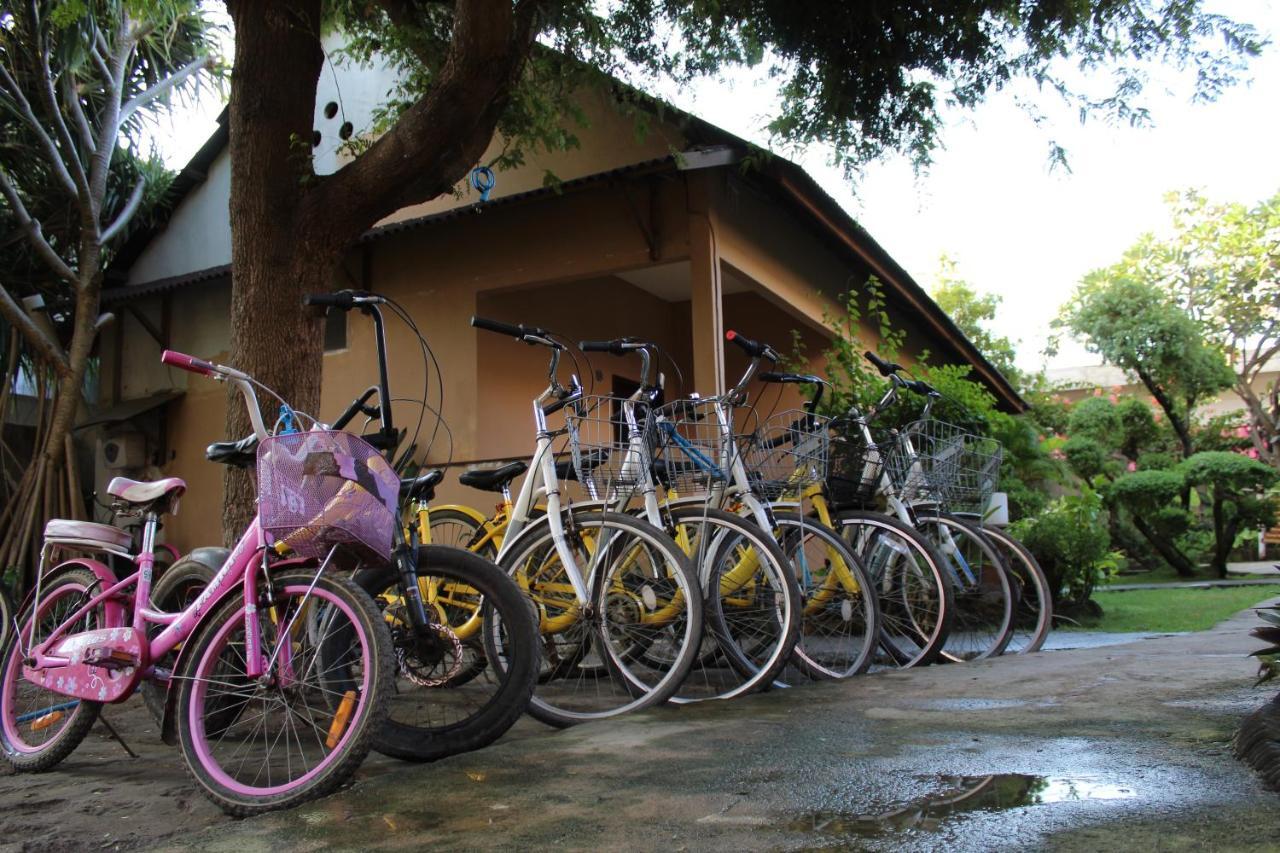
283, 671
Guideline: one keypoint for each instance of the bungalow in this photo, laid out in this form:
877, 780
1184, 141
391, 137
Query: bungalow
665, 235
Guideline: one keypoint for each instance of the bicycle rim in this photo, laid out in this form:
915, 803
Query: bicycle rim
634, 643
984, 598
915, 597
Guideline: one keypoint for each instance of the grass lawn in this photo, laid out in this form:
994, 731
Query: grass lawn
1161, 610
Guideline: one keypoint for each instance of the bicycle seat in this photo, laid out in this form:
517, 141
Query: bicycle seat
493, 479
237, 454
421, 488
138, 493
591, 460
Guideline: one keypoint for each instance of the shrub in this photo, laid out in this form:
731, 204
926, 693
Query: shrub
1070, 540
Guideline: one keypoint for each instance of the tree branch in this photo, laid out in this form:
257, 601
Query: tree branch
109, 118
39, 340
442, 135
46, 141
50, 99
71, 98
34, 234
130, 208
164, 86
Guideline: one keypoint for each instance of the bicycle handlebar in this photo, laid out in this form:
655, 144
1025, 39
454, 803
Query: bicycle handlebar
615, 346
189, 362
886, 368
755, 349
357, 406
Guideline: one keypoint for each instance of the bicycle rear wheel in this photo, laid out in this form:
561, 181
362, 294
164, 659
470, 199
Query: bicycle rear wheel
301, 730
40, 727
984, 596
448, 699
840, 623
916, 598
632, 644
752, 602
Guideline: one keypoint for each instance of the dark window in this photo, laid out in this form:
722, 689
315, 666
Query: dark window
335, 331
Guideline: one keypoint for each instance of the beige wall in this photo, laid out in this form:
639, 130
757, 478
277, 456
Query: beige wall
552, 262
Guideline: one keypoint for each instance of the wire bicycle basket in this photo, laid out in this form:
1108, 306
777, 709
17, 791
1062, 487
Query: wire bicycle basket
791, 449
855, 468
924, 460
977, 476
694, 452
324, 488
609, 452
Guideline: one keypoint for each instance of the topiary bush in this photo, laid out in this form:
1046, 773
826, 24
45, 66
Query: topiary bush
1071, 542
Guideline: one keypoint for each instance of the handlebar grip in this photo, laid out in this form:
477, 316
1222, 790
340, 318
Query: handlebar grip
789, 378
886, 368
920, 387
752, 348
188, 362
342, 300
614, 347
517, 332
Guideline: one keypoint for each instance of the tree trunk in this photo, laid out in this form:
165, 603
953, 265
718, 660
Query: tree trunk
1184, 567
273, 265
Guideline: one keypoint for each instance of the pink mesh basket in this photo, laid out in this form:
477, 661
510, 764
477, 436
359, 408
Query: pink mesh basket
324, 488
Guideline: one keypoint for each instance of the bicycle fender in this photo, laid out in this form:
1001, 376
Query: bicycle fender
169, 724
471, 513
113, 610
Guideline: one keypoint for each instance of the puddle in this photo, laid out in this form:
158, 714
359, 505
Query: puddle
958, 794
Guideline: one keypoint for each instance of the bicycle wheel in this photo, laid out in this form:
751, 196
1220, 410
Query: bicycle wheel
984, 597
435, 711
1033, 618
915, 595
457, 529
752, 603
8, 613
40, 727
301, 730
633, 642
840, 617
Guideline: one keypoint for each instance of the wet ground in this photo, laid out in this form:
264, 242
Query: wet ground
1085, 749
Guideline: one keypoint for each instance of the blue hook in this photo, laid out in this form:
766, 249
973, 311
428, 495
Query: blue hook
483, 180
286, 416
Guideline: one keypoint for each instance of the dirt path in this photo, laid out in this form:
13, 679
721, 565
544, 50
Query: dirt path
1103, 748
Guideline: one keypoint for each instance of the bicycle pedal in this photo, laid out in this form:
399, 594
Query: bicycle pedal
110, 658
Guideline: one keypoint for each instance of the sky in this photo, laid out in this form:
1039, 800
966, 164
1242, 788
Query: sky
991, 202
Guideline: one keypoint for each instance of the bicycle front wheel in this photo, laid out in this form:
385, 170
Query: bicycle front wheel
916, 598
752, 602
255, 744
984, 597
840, 624
631, 644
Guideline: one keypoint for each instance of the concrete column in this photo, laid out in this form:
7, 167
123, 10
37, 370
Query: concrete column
705, 290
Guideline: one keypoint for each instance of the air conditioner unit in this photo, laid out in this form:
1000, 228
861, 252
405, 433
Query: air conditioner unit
127, 450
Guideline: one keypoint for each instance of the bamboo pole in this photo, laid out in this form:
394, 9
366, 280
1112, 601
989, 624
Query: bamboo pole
76, 509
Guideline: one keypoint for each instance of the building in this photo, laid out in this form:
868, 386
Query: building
665, 236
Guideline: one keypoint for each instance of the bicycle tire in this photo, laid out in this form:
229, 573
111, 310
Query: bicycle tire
626, 665
754, 661
456, 529
352, 617
1033, 620
840, 616
984, 597
915, 594
487, 704
20, 698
